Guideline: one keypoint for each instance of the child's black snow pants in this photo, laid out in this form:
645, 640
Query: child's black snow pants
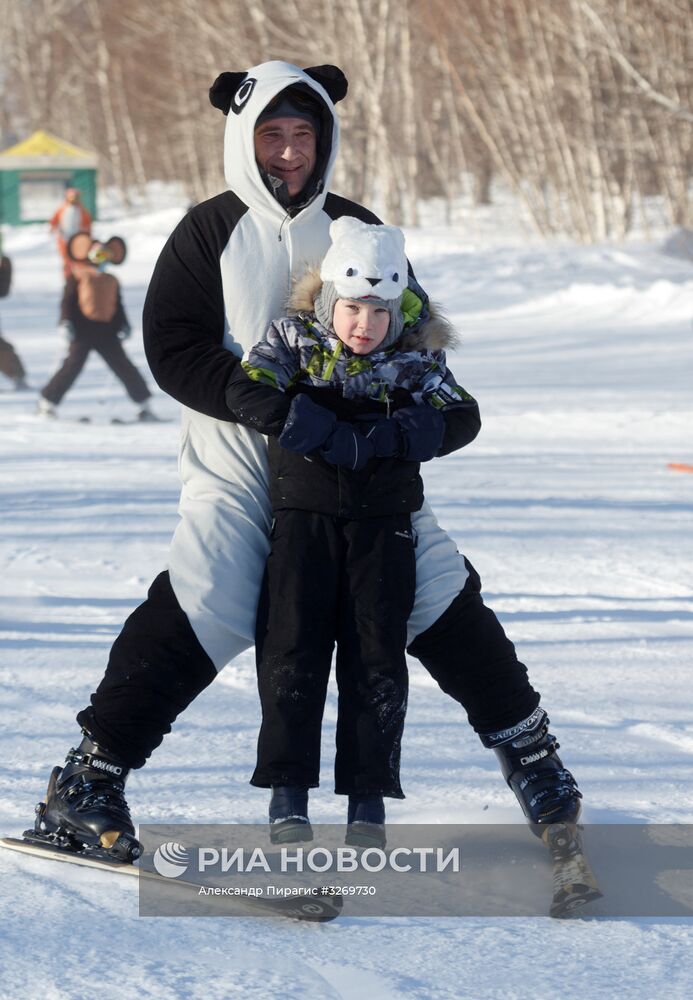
111, 350
329, 579
157, 667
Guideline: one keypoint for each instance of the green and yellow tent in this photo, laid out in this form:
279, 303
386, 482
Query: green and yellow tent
34, 174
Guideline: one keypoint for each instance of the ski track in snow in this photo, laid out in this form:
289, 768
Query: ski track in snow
581, 359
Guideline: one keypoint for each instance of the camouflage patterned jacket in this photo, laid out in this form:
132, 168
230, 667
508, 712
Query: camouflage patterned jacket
298, 349
297, 354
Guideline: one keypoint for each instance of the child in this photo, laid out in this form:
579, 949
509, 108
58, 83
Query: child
368, 404
92, 318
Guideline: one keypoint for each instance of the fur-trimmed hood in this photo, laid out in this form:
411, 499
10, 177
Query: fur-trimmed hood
434, 334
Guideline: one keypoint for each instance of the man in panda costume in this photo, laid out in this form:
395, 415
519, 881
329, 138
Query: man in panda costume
223, 276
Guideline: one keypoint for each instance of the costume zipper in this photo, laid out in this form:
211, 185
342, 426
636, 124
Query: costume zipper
287, 216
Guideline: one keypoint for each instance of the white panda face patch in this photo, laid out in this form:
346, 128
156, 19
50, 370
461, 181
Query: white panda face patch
365, 260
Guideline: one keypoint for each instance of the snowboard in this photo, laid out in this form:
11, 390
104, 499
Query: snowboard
317, 909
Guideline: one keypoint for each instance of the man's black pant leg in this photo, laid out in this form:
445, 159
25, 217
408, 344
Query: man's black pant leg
156, 668
469, 655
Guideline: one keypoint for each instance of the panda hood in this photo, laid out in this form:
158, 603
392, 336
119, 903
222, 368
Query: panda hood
243, 97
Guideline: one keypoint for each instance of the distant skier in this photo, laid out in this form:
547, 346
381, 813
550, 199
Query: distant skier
10, 365
92, 318
69, 218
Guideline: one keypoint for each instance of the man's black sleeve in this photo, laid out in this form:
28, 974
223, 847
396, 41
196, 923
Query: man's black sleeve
256, 404
462, 424
183, 321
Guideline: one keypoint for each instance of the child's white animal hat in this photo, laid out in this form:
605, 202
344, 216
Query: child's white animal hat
365, 262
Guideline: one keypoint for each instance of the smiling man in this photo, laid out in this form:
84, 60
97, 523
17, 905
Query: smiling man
285, 142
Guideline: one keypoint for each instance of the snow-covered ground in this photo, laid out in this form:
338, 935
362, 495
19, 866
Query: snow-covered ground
581, 359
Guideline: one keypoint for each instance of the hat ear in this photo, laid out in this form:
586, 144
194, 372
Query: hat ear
223, 89
78, 246
346, 226
331, 79
116, 249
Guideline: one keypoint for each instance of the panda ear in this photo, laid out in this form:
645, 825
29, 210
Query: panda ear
224, 87
331, 79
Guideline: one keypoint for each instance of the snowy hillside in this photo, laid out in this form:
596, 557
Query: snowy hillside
582, 362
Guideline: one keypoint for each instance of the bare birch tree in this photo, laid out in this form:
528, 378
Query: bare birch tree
583, 109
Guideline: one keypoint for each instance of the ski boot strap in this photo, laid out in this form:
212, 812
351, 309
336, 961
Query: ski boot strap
98, 763
522, 734
88, 754
562, 786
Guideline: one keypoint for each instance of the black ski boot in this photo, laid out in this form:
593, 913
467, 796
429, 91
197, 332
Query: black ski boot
366, 821
85, 808
546, 790
288, 815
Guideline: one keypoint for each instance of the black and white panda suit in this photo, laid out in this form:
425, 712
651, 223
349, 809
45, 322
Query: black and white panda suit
223, 275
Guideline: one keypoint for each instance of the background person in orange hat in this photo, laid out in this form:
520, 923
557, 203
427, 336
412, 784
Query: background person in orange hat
71, 217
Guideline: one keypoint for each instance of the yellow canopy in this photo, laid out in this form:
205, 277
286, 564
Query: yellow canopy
42, 148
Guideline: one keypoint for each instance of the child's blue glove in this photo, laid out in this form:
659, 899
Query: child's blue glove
307, 425
347, 447
386, 437
423, 429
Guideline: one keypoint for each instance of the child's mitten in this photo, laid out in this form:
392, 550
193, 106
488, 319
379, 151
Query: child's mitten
423, 429
307, 425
